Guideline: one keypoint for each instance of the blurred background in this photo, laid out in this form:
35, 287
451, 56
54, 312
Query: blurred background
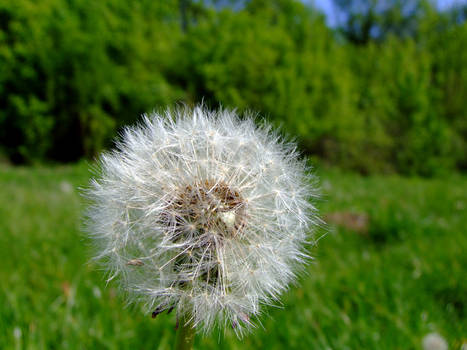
374, 93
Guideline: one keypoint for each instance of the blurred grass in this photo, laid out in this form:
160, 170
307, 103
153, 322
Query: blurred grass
385, 288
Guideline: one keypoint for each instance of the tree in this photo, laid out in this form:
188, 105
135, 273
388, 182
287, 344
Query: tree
364, 20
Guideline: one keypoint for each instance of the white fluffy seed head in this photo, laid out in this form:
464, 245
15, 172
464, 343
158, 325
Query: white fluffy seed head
203, 212
434, 341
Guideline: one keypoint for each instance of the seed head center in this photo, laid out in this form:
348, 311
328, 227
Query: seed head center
207, 208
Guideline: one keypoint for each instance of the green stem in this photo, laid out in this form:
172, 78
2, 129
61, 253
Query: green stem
185, 335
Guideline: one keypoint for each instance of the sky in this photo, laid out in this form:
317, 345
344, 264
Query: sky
327, 7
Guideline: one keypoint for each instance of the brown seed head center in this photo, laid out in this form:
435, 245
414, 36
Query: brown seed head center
205, 208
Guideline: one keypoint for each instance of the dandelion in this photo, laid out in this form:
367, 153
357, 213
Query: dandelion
434, 341
204, 213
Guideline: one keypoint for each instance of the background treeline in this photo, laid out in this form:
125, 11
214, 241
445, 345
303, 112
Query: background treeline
385, 91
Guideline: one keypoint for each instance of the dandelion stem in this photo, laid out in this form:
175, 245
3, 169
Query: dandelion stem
185, 335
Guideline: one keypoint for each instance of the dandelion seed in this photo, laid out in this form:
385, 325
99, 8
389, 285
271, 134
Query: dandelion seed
66, 187
218, 210
96, 292
17, 333
135, 262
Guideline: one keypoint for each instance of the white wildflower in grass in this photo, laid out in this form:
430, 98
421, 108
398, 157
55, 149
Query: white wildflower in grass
204, 213
434, 341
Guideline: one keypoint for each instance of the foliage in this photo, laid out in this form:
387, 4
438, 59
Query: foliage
365, 20
392, 99
69, 67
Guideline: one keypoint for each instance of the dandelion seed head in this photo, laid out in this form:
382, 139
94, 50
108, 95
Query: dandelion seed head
434, 341
203, 212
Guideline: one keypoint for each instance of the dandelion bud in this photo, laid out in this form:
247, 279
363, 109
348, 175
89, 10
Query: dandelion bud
204, 213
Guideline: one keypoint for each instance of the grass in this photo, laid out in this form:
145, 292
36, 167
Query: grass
402, 277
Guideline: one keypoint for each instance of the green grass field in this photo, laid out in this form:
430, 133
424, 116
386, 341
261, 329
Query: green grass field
402, 276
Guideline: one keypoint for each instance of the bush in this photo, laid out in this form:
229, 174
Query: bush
74, 71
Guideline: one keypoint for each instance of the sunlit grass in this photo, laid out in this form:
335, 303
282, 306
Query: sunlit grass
384, 288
